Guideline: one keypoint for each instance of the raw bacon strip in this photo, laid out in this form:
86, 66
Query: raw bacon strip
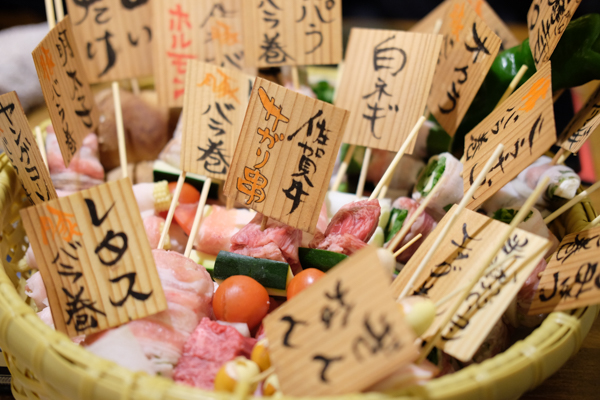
350, 228
209, 347
424, 224
278, 242
218, 227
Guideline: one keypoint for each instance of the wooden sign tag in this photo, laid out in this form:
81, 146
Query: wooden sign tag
96, 264
215, 102
292, 32
571, 279
209, 31
342, 334
546, 22
456, 262
582, 125
524, 124
468, 51
66, 89
483, 10
386, 91
116, 36
285, 154
20, 146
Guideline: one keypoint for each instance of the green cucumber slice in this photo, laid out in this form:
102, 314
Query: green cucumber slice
271, 274
320, 259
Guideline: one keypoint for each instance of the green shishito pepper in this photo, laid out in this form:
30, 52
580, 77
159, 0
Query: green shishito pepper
575, 61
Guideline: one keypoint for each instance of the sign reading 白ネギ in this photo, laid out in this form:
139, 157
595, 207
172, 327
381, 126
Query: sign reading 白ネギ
115, 37
387, 76
468, 51
292, 32
96, 264
342, 334
66, 89
22, 151
285, 154
524, 124
215, 101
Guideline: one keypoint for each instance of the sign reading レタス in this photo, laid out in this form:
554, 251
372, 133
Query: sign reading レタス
386, 91
215, 102
547, 21
209, 31
285, 154
116, 37
457, 262
342, 334
524, 124
66, 89
97, 265
468, 51
22, 151
571, 279
292, 32
582, 125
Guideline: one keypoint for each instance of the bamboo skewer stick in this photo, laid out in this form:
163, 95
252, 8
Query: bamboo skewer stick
363, 173
557, 95
557, 156
390, 170
135, 86
513, 84
408, 224
463, 203
50, 17
263, 223
571, 203
60, 11
340, 71
563, 157
523, 212
120, 129
407, 245
230, 202
295, 77
41, 145
343, 168
198, 217
592, 224
174, 202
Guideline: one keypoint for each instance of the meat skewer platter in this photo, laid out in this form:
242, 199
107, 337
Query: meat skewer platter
408, 232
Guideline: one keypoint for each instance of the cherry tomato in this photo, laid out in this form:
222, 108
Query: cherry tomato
189, 194
184, 216
303, 280
240, 298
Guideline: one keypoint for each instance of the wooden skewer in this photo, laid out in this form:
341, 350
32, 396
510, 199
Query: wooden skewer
60, 11
50, 17
120, 129
40, 142
295, 78
230, 202
563, 157
392, 167
571, 203
399, 237
523, 212
135, 86
463, 203
557, 156
407, 245
592, 224
343, 168
363, 173
383, 192
513, 84
340, 71
174, 202
557, 95
263, 223
198, 217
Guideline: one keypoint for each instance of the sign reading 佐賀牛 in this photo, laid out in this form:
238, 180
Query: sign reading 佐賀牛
292, 32
387, 76
96, 264
342, 334
66, 89
215, 101
22, 151
116, 37
456, 262
285, 154
583, 124
208, 31
468, 50
524, 124
572, 278
547, 21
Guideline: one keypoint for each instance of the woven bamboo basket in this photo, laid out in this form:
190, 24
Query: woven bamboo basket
45, 364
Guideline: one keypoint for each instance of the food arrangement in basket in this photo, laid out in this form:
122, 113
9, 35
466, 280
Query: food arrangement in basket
254, 271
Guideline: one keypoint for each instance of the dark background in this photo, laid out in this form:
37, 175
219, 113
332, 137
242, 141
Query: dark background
18, 12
